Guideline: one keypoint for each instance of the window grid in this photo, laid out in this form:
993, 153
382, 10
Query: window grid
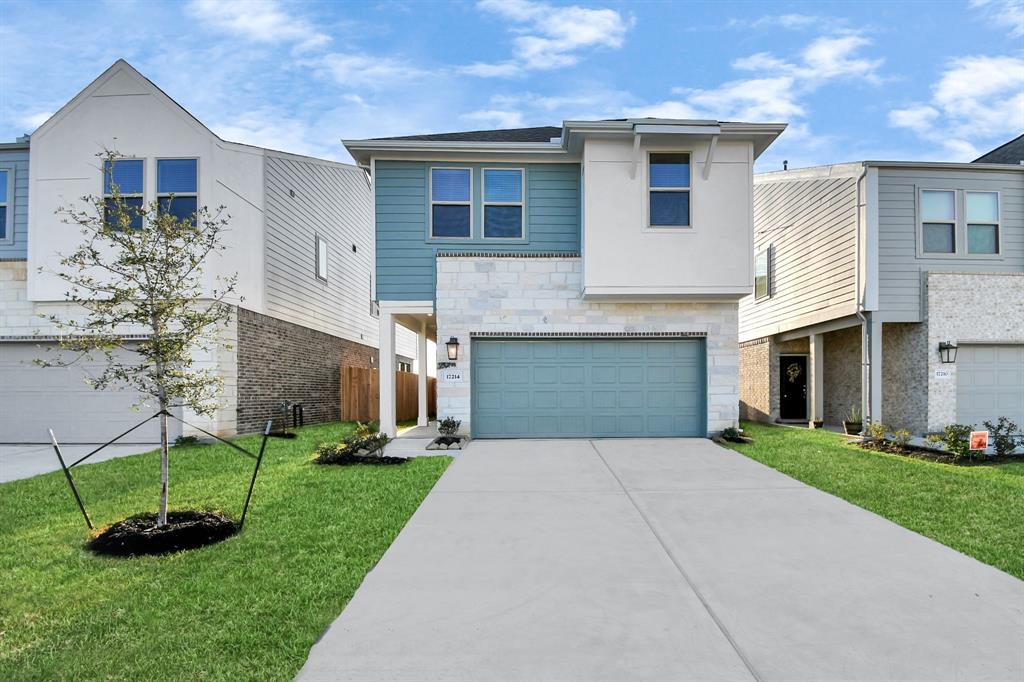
132, 200
467, 203
191, 197
676, 189
521, 204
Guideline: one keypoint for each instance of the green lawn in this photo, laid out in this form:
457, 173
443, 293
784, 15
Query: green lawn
976, 510
248, 608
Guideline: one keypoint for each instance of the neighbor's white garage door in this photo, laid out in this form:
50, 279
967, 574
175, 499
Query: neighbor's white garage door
990, 383
34, 399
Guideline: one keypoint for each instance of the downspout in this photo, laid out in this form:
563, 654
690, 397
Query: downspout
865, 345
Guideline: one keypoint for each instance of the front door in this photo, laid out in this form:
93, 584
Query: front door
793, 382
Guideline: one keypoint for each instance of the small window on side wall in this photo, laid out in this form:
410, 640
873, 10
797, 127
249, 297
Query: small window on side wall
321, 259
938, 221
763, 274
668, 184
450, 203
177, 187
6, 206
503, 203
123, 178
982, 209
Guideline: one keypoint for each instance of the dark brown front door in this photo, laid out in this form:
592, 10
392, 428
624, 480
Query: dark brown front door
793, 383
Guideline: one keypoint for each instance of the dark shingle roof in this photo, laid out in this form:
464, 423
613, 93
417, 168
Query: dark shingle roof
1011, 152
541, 134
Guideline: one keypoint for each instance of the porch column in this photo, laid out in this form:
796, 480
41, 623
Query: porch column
817, 344
386, 373
875, 379
421, 376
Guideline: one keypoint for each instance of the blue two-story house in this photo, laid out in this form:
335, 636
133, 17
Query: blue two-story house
581, 281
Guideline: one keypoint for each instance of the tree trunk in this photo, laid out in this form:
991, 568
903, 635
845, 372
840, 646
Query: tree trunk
161, 519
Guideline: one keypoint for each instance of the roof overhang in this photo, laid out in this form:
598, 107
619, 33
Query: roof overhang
760, 134
363, 150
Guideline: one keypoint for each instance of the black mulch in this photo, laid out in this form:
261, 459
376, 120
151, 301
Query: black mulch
347, 460
138, 535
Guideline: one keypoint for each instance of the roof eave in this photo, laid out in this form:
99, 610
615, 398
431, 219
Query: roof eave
362, 150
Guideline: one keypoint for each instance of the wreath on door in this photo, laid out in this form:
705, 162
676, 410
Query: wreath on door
793, 372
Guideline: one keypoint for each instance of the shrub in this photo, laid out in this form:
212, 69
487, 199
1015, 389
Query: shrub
731, 433
1004, 436
449, 426
186, 440
365, 430
935, 439
332, 453
956, 438
876, 431
901, 439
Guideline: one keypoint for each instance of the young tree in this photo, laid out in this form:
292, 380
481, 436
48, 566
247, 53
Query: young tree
140, 267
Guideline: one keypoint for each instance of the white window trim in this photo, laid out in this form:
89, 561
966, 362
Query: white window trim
484, 203
959, 225
431, 203
156, 175
8, 237
998, 224
666, 229
124, 195
768, 273
318, 240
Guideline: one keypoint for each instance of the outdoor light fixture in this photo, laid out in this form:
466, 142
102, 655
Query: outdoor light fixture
947, 352
453, 348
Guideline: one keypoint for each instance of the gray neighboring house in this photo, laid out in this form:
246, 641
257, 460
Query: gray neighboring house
862, 271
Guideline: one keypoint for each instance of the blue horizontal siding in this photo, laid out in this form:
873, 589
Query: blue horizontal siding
16, 161
406, 256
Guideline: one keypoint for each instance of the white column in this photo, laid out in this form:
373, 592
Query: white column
875, 381
421, 376
817, 343
386, 373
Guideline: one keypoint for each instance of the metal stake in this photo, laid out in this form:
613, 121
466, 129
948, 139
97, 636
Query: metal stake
71, 482
255, 471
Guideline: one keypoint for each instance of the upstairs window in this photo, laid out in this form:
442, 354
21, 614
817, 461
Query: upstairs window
503, 203
938, 221
6, 205
668, 184
124, 176
450, 197
763, 274
321, 258
982, 209
177, 187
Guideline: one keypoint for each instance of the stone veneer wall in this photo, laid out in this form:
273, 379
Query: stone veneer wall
542, 295
756, 380
967, 308
842, 373
905, 376
280, 361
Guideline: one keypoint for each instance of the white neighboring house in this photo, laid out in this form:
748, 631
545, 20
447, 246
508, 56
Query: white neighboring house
300, 239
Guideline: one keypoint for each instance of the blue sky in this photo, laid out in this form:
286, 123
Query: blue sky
911, 80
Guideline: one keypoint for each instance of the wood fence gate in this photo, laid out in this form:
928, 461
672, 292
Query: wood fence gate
360, 395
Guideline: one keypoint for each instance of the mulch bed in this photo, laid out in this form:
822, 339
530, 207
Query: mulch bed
940, 457
138, 535
347, 460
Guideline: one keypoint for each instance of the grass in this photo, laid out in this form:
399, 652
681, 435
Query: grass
976, 510
247, 608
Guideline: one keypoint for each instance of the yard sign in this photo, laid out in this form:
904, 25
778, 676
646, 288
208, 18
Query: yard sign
979, 440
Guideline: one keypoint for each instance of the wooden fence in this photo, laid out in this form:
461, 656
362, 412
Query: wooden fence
360, 395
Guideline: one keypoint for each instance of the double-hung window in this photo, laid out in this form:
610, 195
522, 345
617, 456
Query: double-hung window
503, 202
124, 178
668, 185
451, 191
6, 206
938, 221
177, 187
763, 273
321, 258
982, 210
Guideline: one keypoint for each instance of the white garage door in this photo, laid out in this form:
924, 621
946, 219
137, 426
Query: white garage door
34, 399
990, 383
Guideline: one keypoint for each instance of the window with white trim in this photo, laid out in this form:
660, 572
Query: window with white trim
451, 192
177, 187
503, 202
123, 178
321, 258
763, 273
938, 221
668, 189
981, 210
6, 206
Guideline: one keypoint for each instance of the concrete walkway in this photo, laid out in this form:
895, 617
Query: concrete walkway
663, 560
25, 461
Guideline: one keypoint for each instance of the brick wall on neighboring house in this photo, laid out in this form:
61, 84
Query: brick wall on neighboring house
905, 376
279, 361
842, 373
756, 380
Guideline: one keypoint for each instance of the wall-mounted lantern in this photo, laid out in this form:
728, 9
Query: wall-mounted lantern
453, 348
947, 352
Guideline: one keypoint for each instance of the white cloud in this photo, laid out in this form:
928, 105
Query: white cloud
262, 21
366, 71
823, 59
551, 37
977, 100
790, 21
1008, 14
33, 121
496, 118
274, 130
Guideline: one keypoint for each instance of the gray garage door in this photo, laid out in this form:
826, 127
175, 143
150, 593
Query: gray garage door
34, 399
990, 383
567, 388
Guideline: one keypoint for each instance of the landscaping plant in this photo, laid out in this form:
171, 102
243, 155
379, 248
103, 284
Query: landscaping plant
449, 426
876, 431
901, 439
956, 438
359, 448
140, 267
1004, 436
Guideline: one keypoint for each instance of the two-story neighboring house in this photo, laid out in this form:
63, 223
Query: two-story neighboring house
895, 287
300, 239
581, 280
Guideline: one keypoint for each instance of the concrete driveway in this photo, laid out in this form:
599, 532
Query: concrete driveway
25, 461
663, 560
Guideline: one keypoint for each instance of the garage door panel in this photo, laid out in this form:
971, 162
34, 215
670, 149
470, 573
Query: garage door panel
990, 383
604, 388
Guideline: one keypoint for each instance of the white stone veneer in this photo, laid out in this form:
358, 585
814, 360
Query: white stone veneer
542, 295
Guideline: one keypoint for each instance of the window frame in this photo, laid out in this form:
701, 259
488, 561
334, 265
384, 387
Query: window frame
647, 189
484, 203
156, 179
317, 241
8, 237
431, 203
960, 229
768, 252
998, 224
131, 195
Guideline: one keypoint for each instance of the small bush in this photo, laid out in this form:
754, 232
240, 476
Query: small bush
876, 431
731, 433
935, 439
365, 430
186, 440
449, 426
956, 438
1004, 436
901, 439
352, 447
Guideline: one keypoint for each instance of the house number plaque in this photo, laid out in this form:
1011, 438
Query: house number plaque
451, 375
